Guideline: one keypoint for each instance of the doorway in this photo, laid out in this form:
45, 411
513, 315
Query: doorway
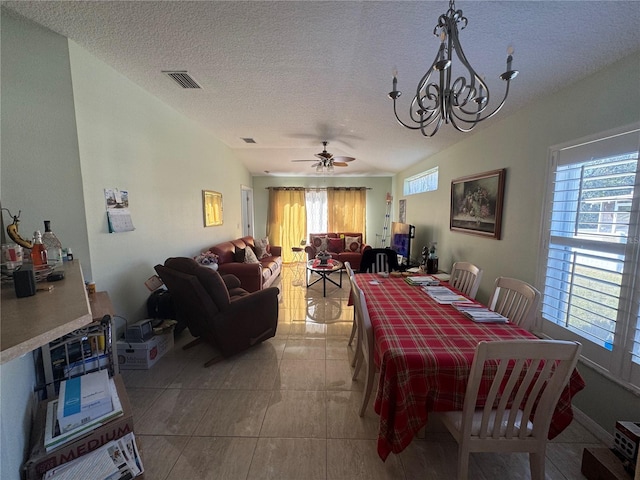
247, 210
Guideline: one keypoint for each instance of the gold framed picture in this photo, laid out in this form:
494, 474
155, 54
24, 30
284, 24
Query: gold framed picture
476, 204
212, 208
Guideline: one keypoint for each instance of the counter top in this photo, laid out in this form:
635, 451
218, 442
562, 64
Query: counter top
30, 322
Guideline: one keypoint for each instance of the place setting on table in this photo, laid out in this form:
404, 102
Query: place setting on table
426, 333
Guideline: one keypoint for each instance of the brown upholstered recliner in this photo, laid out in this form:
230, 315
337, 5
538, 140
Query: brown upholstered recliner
216, 310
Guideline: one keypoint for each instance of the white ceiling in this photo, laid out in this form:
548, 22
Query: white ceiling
290, 74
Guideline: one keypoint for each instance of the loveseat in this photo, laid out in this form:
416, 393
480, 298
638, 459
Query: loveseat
343, 246
232, 259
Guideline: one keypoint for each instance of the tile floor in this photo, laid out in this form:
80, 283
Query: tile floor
287, 409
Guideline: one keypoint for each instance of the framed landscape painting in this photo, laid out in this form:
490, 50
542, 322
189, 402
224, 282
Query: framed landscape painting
476, 203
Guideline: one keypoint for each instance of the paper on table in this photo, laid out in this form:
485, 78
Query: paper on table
480, 313
444, 296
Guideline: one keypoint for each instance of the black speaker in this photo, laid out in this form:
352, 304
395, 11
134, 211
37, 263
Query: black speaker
24, 281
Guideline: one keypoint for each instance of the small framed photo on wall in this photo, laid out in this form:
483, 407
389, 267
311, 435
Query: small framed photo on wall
402, 211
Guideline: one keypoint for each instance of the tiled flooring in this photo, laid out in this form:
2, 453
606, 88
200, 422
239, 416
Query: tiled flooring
287, 409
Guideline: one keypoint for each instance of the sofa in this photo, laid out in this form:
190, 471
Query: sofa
253, 276
341, 245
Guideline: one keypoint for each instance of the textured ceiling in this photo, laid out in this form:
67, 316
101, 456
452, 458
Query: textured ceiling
293, 73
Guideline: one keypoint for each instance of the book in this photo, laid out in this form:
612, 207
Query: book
53, 438
83, 399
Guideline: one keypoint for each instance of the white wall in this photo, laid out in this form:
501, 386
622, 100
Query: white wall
520, 143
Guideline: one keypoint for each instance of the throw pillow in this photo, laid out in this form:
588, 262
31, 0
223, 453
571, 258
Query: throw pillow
336, 245
319, 242
262, 247
353, 244
250, 257
239, 255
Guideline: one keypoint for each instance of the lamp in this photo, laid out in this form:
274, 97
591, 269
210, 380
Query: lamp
324, 165
462, 101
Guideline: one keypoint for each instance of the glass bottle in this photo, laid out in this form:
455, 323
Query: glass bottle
432, 260
52, 244
38, 251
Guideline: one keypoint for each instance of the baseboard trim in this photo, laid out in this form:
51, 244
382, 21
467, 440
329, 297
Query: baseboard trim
594, 428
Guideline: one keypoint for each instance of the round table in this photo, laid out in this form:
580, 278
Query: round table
332, 266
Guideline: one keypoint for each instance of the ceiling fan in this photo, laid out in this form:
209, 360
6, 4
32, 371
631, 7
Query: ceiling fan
327, 160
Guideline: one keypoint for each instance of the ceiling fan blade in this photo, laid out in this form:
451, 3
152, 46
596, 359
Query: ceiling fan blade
304, 160
343, 159
340, 164
324, 155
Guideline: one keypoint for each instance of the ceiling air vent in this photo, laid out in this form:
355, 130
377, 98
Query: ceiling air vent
249, 140
182, 78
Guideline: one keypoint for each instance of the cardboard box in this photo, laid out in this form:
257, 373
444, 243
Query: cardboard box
83, 399
602, 464
141, 356
40, 461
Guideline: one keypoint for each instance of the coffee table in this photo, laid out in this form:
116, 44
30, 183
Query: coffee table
332, 266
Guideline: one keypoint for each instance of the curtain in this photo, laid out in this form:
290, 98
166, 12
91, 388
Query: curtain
286, 219
347, 210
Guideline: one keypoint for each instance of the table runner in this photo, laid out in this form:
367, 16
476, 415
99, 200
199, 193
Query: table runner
424, 351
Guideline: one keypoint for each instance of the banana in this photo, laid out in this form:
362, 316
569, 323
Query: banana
12, 231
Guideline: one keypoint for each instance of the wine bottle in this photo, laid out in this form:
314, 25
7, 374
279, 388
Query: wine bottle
52, 244
38, 251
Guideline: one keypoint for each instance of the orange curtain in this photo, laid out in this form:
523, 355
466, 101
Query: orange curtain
347, 210
286, 219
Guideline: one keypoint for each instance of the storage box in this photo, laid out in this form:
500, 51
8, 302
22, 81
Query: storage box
40, 461
602, 464
140, 356
83, 399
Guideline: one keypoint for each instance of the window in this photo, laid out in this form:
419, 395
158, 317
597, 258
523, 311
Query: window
316, 204
422, 182
591, 278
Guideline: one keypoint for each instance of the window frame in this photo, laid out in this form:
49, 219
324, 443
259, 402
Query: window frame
617, 363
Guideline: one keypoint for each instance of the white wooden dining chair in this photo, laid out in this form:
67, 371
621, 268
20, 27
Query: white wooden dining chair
366, 345
516, 300
531, 372
350, 273
466, 278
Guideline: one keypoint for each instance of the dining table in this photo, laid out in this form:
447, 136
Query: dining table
424, 350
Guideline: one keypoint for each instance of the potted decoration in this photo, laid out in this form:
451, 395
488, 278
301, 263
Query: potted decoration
324, 257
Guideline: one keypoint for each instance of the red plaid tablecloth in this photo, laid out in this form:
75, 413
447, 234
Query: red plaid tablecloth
424, 352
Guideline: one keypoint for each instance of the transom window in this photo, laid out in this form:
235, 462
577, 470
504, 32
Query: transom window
422, 182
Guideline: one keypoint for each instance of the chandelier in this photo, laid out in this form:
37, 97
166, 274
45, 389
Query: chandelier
462, 101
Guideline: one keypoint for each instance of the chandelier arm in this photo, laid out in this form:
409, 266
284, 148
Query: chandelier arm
496, 110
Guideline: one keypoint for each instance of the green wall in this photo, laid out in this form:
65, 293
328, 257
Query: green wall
72, 126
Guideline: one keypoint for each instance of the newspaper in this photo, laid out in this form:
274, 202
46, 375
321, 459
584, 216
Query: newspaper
116, 460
